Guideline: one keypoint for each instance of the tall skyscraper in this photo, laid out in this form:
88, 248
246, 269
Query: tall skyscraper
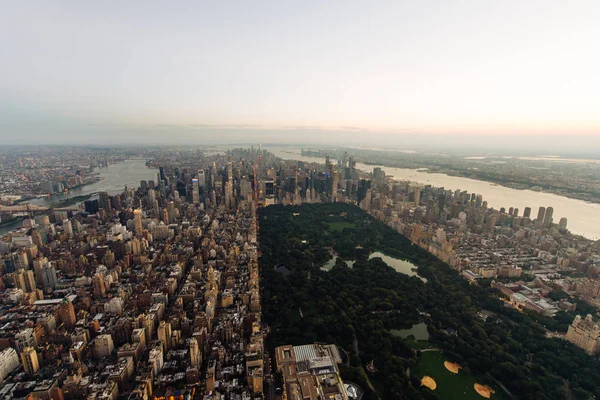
548, 217
68, 227
137, 222
417, 195
540, 216
527, 212
201, 178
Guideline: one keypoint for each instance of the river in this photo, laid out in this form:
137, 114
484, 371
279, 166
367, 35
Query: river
115, 178
583, 217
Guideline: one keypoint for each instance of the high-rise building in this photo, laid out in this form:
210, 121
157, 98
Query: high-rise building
334, 186
540, 217
562, 225
527, 212
201, 179
103, 346
164, 335
104, 201
66, 313
36, 238
137, 222
195, 355
99, 285
49, 278
548, 217
25, 338
30, 281
584, 333
68, 227
38, 265
19, 280
91, 206
9, 361
417, 195
29, 359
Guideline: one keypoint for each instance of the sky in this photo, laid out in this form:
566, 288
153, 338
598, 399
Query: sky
300, 71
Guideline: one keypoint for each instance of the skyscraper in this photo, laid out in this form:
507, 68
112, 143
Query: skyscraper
540, 216
68, 227
38, 264
548, 217
137, 222
562, 224
104, 201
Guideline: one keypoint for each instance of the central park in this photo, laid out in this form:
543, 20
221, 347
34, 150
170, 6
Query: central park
378, 285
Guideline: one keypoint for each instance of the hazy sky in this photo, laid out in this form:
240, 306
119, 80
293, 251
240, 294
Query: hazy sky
296, 71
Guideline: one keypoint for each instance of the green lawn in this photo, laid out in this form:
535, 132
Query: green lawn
449, 386
339, 226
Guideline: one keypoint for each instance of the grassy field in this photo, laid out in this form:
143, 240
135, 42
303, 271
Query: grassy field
339, 226
449, 386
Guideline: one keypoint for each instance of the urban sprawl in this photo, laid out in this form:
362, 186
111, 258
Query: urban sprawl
154, 291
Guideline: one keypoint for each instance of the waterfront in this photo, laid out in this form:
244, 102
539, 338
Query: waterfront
583, 217
115, 177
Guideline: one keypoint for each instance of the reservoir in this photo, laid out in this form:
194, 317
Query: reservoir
583, 217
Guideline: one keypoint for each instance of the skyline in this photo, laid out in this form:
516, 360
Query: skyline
75, 73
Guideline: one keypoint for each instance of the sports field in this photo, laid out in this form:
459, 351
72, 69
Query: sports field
448, 385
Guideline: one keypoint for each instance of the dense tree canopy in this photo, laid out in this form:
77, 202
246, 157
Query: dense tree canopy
357, 307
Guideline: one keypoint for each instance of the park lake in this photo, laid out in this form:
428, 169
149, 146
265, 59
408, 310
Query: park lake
418, 331
401, 266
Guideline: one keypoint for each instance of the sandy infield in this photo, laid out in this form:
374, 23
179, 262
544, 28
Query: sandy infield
452, 367
428, 381
483, 390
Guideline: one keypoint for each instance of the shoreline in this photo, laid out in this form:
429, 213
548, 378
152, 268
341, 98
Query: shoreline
588, 198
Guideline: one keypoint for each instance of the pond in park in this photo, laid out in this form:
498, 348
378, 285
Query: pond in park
402, 266
418, 331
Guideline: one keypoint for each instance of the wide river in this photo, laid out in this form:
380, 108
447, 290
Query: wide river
583, 217
115, 178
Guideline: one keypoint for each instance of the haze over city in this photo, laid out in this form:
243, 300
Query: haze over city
310, 72
300, 200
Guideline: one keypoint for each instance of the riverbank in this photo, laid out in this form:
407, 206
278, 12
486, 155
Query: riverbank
590, 197
583, 217
70, 201
31, 198
11, 221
